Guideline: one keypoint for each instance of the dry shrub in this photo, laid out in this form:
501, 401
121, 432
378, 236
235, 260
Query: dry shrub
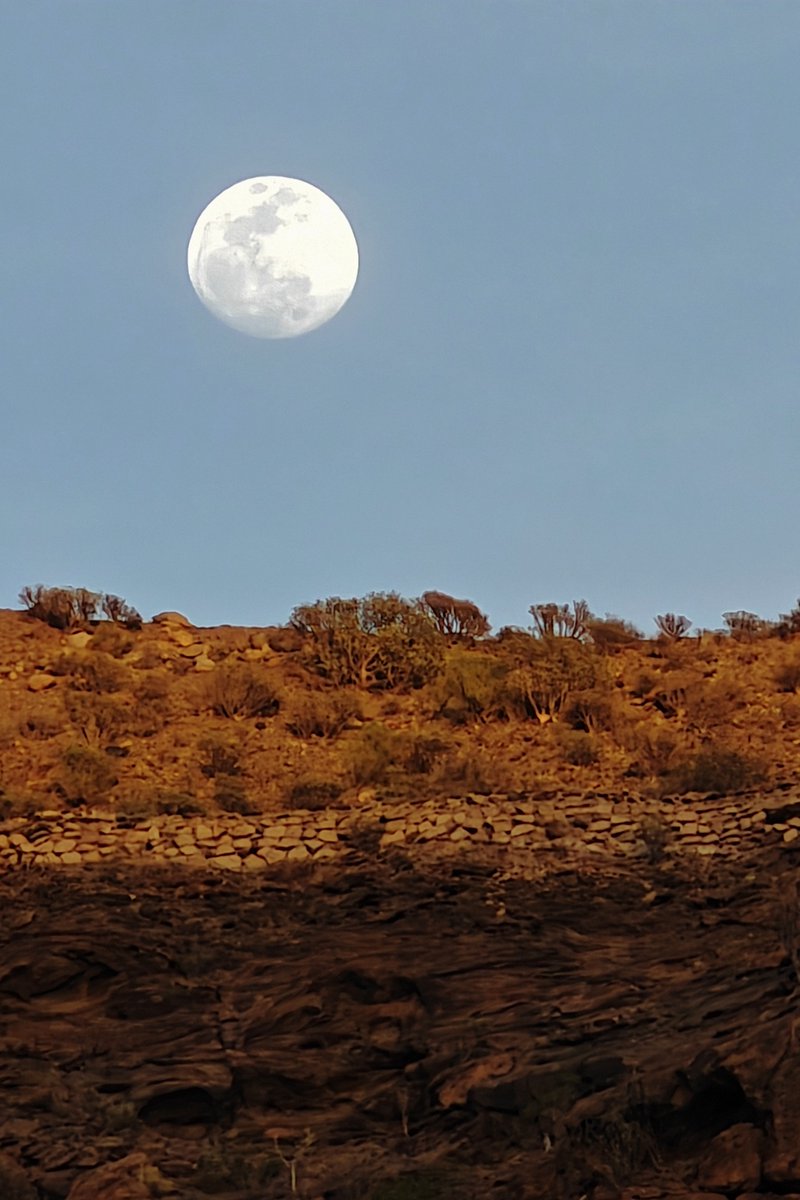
101, 721
152, 686
18, 804
654, 749
372, 753
62, 608
611, 634
219, 756
322, 714
92, 672
241, 692
86, 775
471, 688
578, 748
471, 769
112, 639
313, 792
377, 754
41, 724
715, 769
787, 676
230, 794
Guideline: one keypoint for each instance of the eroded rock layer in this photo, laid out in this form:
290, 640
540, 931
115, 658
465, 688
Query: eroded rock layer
612, 1028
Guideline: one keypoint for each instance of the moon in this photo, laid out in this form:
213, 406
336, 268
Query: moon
273, 257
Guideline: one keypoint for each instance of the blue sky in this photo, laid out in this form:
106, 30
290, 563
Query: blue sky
570, 364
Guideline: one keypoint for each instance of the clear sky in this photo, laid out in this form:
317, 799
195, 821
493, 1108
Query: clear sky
569, 367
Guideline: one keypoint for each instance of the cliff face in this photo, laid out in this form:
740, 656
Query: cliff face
383, 1027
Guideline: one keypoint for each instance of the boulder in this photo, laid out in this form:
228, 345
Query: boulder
171, 618
732, 1162
13, 1180
40, 681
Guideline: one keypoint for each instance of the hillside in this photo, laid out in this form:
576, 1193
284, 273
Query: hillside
362, 909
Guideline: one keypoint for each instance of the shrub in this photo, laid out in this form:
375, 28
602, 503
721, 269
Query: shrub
716, 769
87, 672
40, 725
612, 633
112, 639
745, 626
151, 687
18, 804
471, 688
789, 623
62, 608
321, 714
219, 756
471, 769
578, 749
456, 618
87, 775
787, 677
241, 692
656, 836
230, 794
374, 751
591, 710
313, 792
380, 641
101, 721
116, 610
549, 670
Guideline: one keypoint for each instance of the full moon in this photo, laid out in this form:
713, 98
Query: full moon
273, 257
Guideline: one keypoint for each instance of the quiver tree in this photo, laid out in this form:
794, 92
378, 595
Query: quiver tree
558, 620
456, 618
378, 641
672, 626
743, 625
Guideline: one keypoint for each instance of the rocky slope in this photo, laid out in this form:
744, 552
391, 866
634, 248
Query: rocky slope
391, 1028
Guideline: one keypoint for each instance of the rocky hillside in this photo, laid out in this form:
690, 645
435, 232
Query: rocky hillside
386, 912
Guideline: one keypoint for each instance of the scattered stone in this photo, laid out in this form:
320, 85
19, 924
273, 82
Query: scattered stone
226, 862
41, 681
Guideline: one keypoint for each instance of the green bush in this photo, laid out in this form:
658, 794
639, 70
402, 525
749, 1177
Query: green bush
716, 769
470, 688
547, 671
379, 641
